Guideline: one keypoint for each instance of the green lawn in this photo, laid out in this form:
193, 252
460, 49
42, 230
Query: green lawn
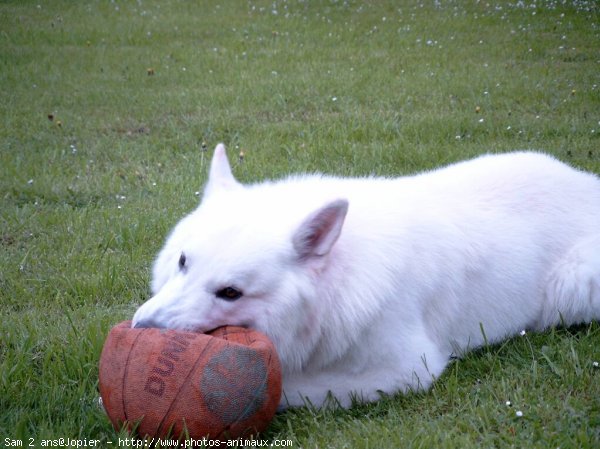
104, 108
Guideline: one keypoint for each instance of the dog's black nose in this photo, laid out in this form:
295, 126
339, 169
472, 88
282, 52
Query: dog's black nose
148, 322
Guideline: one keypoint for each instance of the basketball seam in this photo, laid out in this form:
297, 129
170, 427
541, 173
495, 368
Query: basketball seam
192, 370
123, 389
264, 383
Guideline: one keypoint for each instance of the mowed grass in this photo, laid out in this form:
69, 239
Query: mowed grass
105, 106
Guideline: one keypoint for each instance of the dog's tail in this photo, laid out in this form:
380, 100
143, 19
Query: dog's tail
573, 289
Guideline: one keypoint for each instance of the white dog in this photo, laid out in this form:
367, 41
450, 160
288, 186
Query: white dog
371, 285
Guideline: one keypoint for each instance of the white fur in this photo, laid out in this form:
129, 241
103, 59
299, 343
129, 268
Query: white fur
370, 285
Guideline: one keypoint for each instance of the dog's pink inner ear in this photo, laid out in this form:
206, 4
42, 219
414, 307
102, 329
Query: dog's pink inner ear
318, 233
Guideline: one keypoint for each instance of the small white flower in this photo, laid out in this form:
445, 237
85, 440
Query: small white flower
30, 182
508, 403
596, 365
522, 333
197, 193
519, 413
480, 120
333, 98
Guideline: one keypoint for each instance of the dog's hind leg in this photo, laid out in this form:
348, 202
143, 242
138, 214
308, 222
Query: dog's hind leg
573, 288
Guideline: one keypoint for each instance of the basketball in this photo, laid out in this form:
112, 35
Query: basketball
166, 383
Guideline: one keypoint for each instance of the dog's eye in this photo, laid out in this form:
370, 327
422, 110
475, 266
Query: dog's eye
229, 293
182, 261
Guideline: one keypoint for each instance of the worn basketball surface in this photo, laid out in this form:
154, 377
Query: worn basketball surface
159, 382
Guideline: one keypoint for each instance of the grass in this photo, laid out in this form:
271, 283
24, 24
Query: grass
104, 109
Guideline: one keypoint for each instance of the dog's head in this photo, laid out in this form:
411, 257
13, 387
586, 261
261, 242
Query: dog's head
247, 256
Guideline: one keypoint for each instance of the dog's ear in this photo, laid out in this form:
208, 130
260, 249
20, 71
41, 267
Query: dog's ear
320, 230
220, 177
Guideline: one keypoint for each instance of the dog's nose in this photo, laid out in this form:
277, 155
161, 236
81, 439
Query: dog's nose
147, 322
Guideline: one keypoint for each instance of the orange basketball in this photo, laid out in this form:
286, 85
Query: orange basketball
159, 383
